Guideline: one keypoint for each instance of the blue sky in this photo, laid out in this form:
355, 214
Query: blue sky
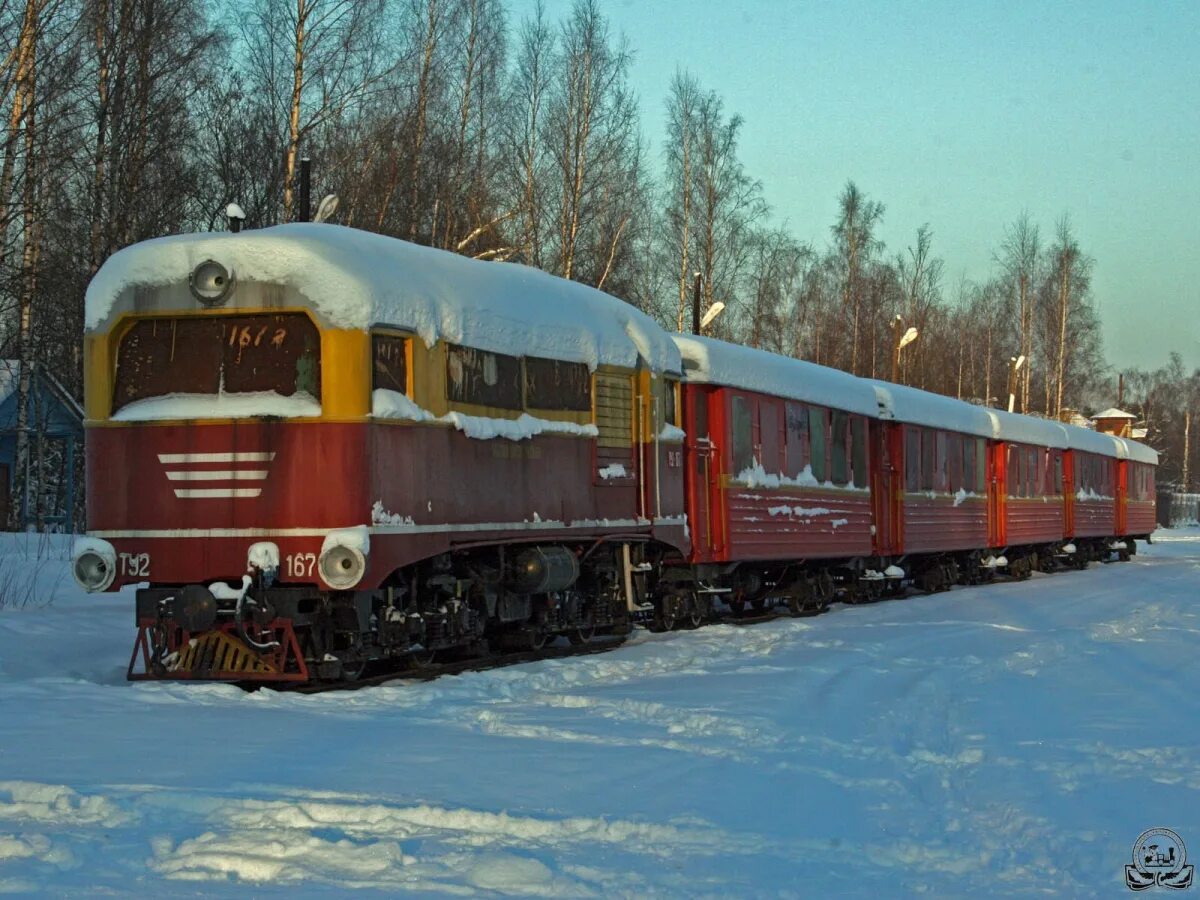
963, 115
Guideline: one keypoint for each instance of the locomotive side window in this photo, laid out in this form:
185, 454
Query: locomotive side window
483, 378
742, 433
858, 443
818, 431
212, 355
389, 363
912, 458
553, 384
670, 401
840, 458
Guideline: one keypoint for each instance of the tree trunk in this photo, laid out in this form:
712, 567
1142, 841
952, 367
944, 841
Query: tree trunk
27, 87
293, 146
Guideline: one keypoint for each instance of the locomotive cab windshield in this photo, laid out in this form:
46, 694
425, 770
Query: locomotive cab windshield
171, 365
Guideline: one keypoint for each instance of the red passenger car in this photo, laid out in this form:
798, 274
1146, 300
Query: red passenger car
778, 469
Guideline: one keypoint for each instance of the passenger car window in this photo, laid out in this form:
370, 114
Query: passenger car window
743, 437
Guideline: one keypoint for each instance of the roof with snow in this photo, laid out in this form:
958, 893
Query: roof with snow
918, 407
1024, 429
356, 279
1127, 449
709, 361
1089, 441
1113, 413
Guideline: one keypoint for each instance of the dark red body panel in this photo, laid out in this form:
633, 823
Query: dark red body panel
940, 524
1034, 520
796, 523
1095, 518
422, 489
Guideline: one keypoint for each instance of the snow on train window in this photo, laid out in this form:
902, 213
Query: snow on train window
839, 457
743, 436
818, 428
482, 377
912, 458
858, 444
211, 356
796, 424
389, 363
554, 384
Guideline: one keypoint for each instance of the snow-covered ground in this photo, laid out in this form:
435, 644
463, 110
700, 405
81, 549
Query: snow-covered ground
1000, 740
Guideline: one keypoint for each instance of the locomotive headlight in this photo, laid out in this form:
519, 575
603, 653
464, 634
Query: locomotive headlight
210, 282
94, 564
343, 560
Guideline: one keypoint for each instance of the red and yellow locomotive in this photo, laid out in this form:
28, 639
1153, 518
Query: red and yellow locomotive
319, 449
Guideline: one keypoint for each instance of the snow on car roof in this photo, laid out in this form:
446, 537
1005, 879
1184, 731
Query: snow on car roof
1091, 441
709, 361
1138, 452
356, 279
917, 407
1024, 429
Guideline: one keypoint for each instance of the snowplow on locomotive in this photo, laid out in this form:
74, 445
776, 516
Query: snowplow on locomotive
320, 449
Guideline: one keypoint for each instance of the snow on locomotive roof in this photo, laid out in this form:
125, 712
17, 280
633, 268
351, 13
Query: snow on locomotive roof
1090, 441
1027, 429
1138, 452
356, 279
917, 407
709, 361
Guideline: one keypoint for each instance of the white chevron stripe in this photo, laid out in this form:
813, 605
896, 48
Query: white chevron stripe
218, 475
202, 493
254, 456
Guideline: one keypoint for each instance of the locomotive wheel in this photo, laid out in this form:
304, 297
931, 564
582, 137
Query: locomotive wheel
666, 620
421, 659
537, 639
695, 614
353, 671
580, 636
